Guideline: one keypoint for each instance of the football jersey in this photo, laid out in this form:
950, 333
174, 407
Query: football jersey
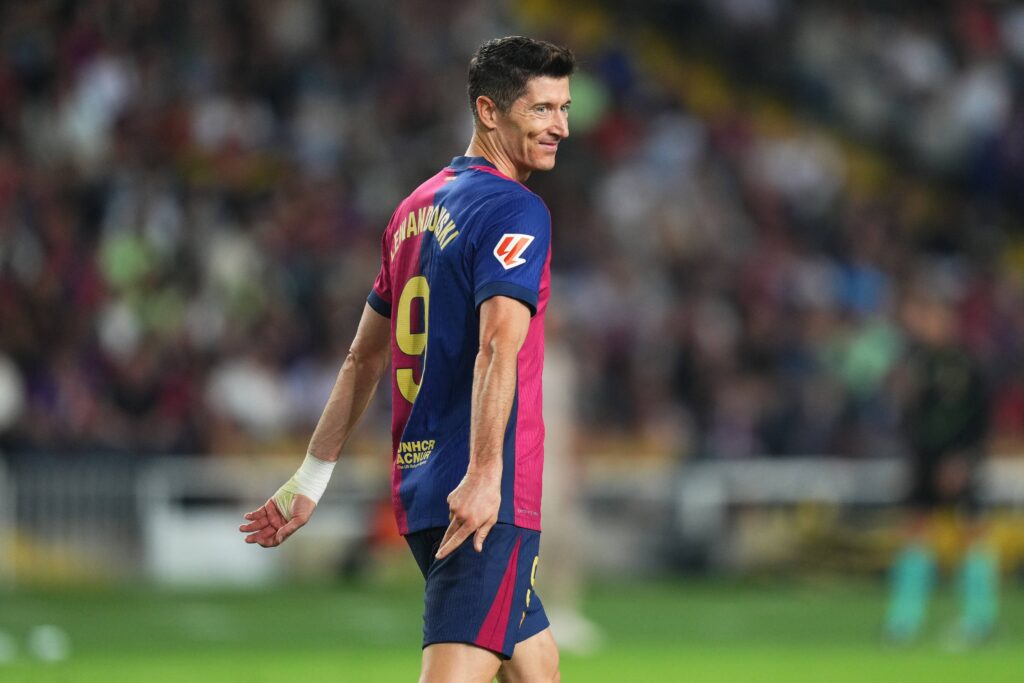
464, 236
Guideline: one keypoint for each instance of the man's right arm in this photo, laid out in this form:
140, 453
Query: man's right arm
365, 364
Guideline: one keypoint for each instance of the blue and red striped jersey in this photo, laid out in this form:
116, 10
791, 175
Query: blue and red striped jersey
467, 234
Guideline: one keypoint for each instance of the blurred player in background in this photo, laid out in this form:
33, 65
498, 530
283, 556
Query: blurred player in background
459, 303
946, 419
565, 520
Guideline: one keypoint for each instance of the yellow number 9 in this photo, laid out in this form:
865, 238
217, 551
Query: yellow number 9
409, 342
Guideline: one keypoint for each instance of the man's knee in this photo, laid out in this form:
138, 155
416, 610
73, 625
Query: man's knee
534, 659
542, 672
553, 664
556, 674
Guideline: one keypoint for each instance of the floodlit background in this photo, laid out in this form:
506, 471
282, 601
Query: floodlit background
191, 200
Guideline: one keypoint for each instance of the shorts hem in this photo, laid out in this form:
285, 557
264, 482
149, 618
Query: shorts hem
443, 522
460, 641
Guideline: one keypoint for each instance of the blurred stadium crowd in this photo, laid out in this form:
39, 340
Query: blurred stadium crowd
192, 197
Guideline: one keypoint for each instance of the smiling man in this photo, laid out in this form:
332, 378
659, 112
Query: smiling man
458, 309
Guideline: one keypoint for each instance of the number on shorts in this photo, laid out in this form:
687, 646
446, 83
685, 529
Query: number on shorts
529, 591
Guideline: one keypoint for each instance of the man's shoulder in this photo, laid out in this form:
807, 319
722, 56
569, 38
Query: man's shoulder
498, 194
427, 189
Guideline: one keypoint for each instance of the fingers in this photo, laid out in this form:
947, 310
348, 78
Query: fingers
452, 528
481, 535
264, 537
276, 518
258, 519
457, 533
258, 513
271, 536
264, 523
288, 529
253, 526
268, 527
454, 536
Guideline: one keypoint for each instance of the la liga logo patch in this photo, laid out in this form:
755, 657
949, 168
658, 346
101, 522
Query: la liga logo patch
510, 248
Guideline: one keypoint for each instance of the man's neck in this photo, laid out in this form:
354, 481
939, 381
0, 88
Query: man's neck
484, 146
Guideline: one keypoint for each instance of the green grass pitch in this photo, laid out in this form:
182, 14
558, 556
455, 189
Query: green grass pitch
678, 630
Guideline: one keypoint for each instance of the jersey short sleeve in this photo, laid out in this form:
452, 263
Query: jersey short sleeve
380, 296
511, 251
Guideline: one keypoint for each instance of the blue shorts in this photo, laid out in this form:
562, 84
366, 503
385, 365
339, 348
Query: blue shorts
485, 599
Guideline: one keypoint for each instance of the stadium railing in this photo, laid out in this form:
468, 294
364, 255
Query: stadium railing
175, 520
828, 497
85, 519
190, 509
74, 517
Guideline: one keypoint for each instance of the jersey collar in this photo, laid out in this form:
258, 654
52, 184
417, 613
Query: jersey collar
462, 163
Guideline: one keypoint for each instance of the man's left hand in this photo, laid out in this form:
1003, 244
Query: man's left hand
474, 510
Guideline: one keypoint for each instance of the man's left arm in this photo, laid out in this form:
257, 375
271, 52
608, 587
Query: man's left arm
473, 505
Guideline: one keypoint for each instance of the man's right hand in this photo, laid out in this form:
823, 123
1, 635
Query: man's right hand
269, 528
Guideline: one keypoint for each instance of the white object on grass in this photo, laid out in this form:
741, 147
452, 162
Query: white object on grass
49, 643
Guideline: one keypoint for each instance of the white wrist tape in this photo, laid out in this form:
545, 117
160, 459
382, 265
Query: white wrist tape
312, 477
309, 480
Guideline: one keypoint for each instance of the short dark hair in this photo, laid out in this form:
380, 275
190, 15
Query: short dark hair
502, 67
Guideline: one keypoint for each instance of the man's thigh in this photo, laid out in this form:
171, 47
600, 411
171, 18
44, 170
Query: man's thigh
447, 662
535, 660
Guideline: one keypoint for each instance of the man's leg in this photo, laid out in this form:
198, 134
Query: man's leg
912, 576
979, 573
979, 586
447, 662
912, 579
535, 660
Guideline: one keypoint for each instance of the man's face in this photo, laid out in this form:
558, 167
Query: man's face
535, 124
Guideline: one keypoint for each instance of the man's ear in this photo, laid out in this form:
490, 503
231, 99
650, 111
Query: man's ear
487, 112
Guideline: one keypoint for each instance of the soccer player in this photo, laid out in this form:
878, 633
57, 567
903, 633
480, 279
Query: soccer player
946, 419
459, 304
